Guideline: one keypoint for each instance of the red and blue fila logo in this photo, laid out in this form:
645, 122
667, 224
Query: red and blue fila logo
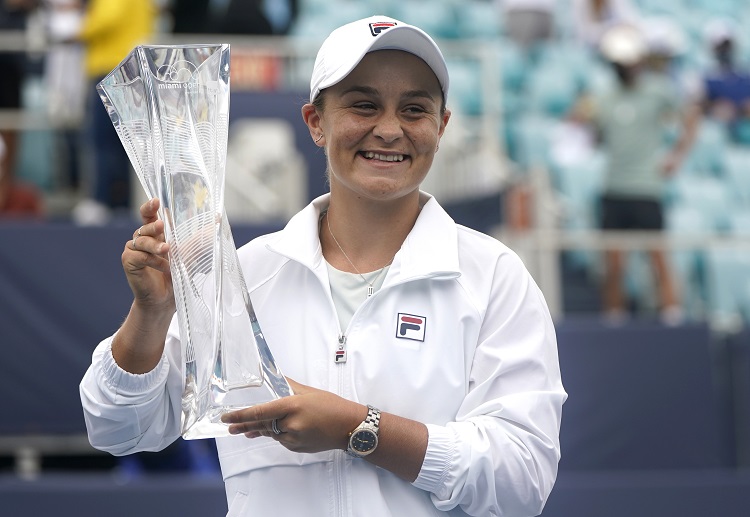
378, 27
410, 326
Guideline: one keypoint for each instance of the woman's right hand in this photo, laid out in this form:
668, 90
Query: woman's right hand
145, 261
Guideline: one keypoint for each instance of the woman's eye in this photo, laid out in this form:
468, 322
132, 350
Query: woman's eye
364, 105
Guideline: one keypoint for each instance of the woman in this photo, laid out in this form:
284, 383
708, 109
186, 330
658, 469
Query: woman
438, 327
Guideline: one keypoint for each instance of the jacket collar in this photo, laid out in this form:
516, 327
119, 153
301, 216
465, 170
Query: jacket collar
430, 249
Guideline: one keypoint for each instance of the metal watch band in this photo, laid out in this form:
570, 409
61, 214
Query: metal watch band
373, 418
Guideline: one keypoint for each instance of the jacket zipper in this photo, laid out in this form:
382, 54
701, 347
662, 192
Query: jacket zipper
340, 354
339, 460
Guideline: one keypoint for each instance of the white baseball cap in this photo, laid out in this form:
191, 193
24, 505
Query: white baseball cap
345, 47
623, 44
719, 30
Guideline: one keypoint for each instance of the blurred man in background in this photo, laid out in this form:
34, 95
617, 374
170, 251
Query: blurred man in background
111, 29
632, 119
727, 86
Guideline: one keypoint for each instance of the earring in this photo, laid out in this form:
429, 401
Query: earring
318, 139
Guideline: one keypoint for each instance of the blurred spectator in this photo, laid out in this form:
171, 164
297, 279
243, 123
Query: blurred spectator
632, 120
189, 16
528, 22
244, 17
111, 29
592, 18
65, 82
666, 45
17, 200
13, 17
281, 14
727, 87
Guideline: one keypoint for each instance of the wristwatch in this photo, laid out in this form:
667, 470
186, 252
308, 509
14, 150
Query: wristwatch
364, 439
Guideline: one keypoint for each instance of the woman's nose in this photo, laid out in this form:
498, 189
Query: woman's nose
388, 127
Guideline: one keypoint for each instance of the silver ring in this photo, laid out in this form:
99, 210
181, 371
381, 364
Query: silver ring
135, 238
275, 427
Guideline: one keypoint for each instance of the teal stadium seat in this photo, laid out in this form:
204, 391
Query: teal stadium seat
466, 86
552, 90
707, 194
478, 19
533, 136
436, 18
707, 154
688, 265
580, 186
737, 174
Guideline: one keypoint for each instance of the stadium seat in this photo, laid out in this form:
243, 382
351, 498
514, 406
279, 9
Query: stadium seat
688, 265
580, 187
466, 86
737, 174
553, 87
709, 195
727, 286
706, 156
477, 19
533, 135
437, 18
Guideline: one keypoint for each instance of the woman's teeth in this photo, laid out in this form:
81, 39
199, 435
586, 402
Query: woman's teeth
384, 157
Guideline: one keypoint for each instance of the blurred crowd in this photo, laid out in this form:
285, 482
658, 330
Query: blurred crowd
70, 46
560, 70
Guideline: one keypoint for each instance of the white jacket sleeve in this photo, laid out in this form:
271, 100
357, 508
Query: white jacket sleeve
127, 413
500, 456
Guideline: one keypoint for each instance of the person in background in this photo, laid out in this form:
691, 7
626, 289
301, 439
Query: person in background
376, 305
110, 30
528, 22
281, 14
190, 16
592, 18
727, 85
65, 85
632, 120
13, 17
243, 17
18, 200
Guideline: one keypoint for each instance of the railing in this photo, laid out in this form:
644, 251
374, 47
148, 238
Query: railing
541, 243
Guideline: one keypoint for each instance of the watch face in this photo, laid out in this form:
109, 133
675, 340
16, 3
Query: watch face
363, 441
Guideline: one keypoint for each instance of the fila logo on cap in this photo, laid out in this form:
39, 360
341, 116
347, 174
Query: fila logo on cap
410, 326
378, 27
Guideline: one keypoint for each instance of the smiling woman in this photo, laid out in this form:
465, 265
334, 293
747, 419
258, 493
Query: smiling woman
381, 126
377, 304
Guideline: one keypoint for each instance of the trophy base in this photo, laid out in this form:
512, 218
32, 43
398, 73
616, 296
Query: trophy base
209, 425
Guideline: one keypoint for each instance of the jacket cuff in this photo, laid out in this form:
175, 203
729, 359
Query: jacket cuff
131, 387
441, 448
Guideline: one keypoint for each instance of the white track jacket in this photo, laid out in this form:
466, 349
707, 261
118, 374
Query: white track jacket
477, 363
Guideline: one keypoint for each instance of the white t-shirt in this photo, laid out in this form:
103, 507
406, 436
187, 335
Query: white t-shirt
349, 290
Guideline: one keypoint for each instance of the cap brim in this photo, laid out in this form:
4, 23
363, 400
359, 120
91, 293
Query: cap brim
400, 37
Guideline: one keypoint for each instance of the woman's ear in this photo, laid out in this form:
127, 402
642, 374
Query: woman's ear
444, 121
311, 116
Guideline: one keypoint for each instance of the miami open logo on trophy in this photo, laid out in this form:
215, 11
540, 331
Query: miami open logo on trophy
170, 107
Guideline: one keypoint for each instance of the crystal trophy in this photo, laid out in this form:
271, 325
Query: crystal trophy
170, 107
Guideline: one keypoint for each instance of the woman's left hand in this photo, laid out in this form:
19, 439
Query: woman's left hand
311, 420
